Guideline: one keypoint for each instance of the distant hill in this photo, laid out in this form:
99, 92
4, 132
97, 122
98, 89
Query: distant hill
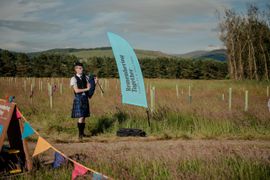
100, 52
192, 54
218, 54
84, 53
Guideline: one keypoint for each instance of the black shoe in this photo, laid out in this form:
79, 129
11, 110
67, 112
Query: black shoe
86, 135
80, 137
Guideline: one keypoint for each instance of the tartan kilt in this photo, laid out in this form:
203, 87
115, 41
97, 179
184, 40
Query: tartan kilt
80, 106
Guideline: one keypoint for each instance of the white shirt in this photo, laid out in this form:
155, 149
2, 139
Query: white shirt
73, 80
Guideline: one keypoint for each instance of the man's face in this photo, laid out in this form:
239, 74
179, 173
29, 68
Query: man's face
79, 69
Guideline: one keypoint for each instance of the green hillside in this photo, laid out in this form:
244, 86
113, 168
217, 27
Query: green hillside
218, 54
100, 52
84, 53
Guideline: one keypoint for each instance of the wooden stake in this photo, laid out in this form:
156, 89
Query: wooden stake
230, 99
41, 84
61, 88
32, 92
189, 94
50, 95
246, 100
152, 96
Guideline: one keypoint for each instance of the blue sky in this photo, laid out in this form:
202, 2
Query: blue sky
170, 26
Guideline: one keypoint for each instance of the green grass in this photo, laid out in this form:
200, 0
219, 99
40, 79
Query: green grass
207, 117
163, 124
175, 125
232, 167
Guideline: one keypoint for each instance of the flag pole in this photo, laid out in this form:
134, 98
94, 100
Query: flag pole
148, 117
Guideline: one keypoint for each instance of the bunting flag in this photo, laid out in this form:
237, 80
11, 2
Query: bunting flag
78, 170
58, 160
131, 78
11, 99
1, 129
42, 145
97, 176
18, 114
27, 130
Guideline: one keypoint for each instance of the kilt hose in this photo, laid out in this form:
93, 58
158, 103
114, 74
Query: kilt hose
80, 106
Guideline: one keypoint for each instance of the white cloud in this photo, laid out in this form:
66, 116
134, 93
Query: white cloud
18, 10
171, 25
30, 26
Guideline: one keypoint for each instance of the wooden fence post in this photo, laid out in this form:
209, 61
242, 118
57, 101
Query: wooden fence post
246, 100
50, 95
61, 88
230, 99
189, 94
152, 97
32, 93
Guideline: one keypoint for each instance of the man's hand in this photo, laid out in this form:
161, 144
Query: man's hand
88, 86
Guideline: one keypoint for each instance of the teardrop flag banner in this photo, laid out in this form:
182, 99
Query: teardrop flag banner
131, 78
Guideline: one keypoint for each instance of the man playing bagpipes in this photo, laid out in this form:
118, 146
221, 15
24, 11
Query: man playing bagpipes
84, 88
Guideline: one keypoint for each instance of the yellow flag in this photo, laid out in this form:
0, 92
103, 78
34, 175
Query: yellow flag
42, 145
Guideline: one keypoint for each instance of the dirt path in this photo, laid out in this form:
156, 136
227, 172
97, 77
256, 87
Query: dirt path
167, 149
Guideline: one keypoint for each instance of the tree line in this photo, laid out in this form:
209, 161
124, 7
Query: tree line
247, 38
61, 65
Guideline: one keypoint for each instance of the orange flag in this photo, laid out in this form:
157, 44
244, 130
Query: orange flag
78, 171
42, 145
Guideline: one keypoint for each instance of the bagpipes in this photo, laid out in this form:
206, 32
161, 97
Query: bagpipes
92, 83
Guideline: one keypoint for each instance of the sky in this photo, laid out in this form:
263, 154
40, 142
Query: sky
170, 26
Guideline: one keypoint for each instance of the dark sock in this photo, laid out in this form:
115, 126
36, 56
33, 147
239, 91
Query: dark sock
80, 129
83, 127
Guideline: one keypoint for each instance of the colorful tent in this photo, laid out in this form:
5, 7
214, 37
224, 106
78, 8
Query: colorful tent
14, 156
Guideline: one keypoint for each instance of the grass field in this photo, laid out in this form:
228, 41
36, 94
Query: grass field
206, 118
